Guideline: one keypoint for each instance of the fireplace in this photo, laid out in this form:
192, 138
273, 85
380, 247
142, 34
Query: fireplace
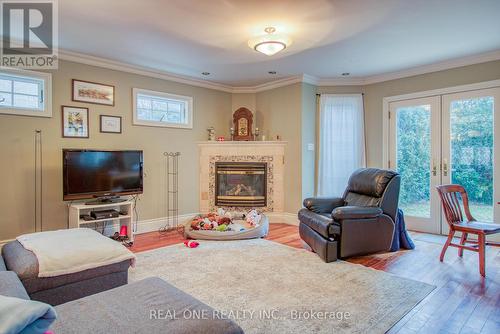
240, 184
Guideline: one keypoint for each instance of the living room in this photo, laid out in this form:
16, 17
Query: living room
191, 166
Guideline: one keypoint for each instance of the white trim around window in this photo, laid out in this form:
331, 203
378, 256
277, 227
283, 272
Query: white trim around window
185, 103
44, 94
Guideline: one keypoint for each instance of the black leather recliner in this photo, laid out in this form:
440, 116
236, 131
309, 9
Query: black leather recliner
361, 222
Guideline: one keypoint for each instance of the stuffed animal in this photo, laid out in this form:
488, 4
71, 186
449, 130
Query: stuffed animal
253, 218
221, 228
224, 221
191, 243
195, 224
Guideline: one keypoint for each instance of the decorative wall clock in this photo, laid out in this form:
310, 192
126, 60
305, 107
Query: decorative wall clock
242, 120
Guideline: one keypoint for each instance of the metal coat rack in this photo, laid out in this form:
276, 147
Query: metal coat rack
172, 192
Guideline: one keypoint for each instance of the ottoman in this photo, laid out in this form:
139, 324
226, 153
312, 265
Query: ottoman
61, 289
148, 306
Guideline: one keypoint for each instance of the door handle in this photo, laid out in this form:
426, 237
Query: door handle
434, 167
445, 167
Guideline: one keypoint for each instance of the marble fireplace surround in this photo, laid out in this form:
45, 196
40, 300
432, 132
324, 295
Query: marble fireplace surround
270, 152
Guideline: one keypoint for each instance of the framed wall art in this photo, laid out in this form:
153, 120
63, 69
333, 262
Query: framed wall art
111, 124
75, 122
93, 92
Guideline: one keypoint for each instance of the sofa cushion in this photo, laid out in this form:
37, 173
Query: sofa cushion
322, 224
2, 264
25, 264
11, 286
370, 181
148, 306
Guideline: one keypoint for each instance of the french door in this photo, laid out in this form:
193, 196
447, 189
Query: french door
446, 139
415, 154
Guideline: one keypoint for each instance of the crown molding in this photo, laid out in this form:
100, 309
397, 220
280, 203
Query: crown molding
270, 85
305, 78
436, 67
149, 72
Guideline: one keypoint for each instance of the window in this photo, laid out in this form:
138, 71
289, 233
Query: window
341, 141
25, 93
162, 109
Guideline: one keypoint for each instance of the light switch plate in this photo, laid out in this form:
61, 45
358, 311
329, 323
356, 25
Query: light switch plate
310, 147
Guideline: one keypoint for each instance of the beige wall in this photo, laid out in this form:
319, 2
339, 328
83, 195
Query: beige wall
279, 113
375, 93
308, 136
17, 149
286, 111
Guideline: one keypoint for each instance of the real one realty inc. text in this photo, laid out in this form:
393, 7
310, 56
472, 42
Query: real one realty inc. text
267, 314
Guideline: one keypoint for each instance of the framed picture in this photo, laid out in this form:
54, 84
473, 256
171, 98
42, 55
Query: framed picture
75, 122
93, 92
111, 124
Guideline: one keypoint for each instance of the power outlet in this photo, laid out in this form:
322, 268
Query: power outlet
310, 147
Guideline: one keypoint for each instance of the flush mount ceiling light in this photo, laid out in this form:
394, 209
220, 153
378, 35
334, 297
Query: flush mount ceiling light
271, 43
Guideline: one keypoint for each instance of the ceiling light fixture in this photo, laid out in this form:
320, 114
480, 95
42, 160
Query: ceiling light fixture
271, 43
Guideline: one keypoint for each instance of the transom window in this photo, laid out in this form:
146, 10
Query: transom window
24, 93
162, 109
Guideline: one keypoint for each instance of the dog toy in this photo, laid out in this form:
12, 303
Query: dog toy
191, 243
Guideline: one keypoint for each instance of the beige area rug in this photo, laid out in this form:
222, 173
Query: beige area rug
254, 281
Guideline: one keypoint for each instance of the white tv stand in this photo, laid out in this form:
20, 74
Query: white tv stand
78, 209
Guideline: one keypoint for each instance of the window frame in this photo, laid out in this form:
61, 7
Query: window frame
47, 93
187, 99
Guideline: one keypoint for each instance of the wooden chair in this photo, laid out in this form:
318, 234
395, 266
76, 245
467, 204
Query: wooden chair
450, 198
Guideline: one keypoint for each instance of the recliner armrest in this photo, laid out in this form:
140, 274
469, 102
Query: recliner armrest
356, 212
323, 204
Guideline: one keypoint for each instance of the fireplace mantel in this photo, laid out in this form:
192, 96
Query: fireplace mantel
270, 152
242, 143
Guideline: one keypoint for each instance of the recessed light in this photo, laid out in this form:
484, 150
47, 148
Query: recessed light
345, 74
272, 72
205, 73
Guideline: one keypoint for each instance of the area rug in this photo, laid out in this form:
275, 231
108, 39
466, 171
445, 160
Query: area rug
267, 287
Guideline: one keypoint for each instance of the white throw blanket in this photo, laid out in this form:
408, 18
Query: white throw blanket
69, 251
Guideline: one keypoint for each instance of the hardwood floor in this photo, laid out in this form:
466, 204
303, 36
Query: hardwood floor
463, 301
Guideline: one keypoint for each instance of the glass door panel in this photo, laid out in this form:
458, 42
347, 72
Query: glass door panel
470, 149
413, 126
414, 153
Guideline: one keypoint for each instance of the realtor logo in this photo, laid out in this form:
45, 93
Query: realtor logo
29, 34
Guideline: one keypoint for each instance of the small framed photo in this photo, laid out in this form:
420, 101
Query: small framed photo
75, 122
111, 124
93, 92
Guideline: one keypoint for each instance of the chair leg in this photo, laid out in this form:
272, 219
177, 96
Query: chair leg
446, 244
463, 239
482, 241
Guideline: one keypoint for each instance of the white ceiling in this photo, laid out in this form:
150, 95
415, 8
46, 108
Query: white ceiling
363, 37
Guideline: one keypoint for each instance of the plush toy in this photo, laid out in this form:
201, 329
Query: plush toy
224, 221
191, 243
221, 228
195, 224
253, 218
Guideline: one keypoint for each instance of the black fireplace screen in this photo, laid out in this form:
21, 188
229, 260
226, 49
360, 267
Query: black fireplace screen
240, 184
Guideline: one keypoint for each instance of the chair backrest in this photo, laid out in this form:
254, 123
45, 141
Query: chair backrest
374, 187
451, 195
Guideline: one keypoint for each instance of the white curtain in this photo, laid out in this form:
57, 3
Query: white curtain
341, 141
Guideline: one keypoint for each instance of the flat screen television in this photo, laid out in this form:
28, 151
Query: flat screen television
96, 174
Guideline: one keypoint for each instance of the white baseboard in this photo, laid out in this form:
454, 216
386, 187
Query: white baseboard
152, 225
286, 217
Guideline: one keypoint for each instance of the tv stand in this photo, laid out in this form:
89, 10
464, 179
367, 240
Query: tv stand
106, 200
126, 217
